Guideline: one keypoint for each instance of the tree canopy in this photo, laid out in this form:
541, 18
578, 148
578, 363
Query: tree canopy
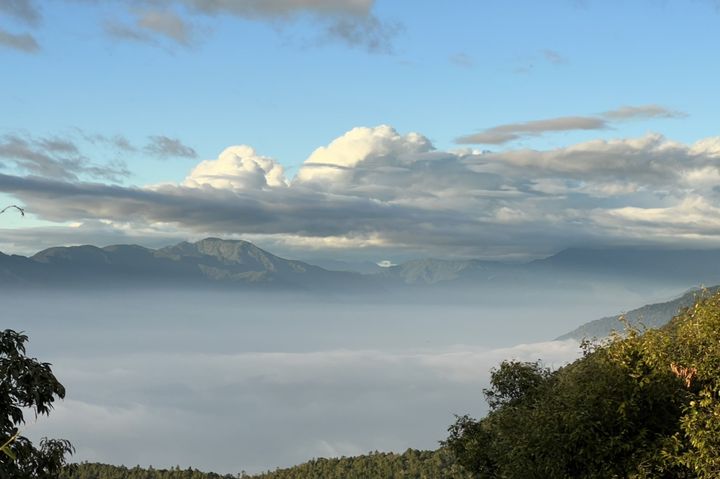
26, 384
412, 463
640, 405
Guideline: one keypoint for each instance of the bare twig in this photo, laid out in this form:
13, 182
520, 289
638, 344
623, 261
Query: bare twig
21, 210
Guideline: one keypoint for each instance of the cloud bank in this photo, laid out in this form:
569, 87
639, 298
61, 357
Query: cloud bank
375, 188
327, 403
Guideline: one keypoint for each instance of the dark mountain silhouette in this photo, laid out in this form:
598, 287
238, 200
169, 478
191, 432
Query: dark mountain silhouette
209, 262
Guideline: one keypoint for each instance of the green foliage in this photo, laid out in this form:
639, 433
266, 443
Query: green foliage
411, 464
515, 381
26, 383
640, 405
104, 471
414, 464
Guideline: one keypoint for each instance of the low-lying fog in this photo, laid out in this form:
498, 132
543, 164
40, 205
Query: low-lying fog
230, 382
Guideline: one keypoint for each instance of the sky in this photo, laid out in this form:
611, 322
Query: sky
340, 129
361, 129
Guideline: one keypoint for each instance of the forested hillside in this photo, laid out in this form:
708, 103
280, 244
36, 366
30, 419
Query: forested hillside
438, 464
106, 471
648, 316
639, 406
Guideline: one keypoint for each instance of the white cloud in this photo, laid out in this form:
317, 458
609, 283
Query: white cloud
694, 214
707, 146
237, 167
702, 178
375, 189
381, 146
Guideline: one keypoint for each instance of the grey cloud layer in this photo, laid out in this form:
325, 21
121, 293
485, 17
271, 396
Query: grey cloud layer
23, 41
501, 134
175, 21
56, 158
166, 147
274, 7
64, 157
29, 12
349, 21
25, 10
513, 131
375, 188
644, 111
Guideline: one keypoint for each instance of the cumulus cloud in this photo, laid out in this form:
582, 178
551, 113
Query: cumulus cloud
237, 168
376, 189
342, 158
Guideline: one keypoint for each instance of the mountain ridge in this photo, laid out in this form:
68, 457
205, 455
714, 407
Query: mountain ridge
652, 315
211, 261
217, 262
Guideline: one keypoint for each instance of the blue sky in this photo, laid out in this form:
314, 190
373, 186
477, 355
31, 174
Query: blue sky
286, 77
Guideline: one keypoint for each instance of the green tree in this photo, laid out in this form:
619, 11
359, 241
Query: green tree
26, 384
619, 411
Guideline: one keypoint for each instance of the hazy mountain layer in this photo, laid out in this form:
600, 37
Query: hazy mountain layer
209, 262
571, 269
218, 263
650, 316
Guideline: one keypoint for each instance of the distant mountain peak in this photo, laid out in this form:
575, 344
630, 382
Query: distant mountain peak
226, 251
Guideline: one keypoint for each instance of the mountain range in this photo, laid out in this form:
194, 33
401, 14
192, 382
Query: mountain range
239, 265
218, 263
210, 262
